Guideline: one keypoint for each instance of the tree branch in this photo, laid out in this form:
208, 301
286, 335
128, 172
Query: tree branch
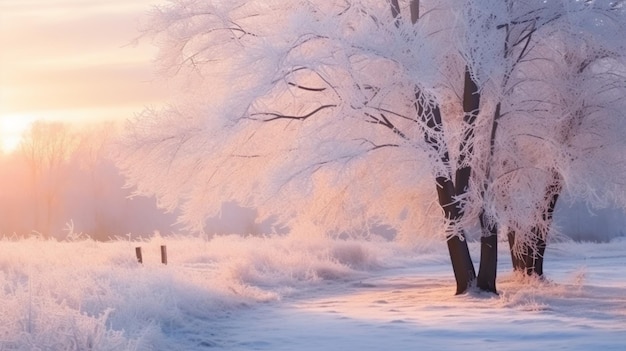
280, 116
384, 121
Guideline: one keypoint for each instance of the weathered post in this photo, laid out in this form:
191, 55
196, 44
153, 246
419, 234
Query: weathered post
138, 253
163, 254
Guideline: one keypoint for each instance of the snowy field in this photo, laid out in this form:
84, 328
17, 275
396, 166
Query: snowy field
296, 293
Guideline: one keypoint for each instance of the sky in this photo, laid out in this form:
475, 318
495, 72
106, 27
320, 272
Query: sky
74, 60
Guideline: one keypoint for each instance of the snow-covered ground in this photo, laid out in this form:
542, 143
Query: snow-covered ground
300, 293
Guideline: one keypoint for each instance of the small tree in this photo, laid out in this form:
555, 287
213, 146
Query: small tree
343, 112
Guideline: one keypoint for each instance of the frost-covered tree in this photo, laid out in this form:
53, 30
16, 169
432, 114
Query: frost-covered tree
46, 148
348, 113
561, 122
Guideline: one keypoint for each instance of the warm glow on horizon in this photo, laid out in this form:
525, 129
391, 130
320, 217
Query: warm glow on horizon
72, 61
12, 129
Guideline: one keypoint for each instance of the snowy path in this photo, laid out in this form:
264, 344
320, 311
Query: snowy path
414, 309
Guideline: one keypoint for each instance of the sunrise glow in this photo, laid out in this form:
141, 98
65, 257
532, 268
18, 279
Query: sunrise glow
12, 128
73, 61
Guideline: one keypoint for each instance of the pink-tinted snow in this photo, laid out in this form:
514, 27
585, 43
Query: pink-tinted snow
297, 293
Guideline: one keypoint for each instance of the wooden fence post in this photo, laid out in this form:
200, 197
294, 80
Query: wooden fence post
163, 254
138, 253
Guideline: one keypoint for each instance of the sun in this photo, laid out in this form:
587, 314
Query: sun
12, 128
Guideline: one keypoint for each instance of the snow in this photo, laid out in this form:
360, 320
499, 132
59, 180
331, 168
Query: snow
295, 292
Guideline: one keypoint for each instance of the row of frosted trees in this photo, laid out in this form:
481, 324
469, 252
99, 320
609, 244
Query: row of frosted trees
428, 116
60, 181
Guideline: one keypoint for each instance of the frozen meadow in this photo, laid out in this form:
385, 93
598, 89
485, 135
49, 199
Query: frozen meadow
348, 115
300, 293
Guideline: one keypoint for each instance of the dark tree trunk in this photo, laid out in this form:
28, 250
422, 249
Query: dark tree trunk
488, 268
447, 192
461, 260
395, 8
487, 272
462, 265
519, 255
471, 105
414, 6
530, 257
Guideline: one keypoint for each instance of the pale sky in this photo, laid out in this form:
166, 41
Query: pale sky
74, 60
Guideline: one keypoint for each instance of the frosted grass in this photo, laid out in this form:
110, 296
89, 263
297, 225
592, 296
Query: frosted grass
94, 295
297, 293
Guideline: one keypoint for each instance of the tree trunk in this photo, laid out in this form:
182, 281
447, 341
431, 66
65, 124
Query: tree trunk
530, 255
395, 9
488, 268
447, 192
460, 258
487, 272
471, 105
414, 7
